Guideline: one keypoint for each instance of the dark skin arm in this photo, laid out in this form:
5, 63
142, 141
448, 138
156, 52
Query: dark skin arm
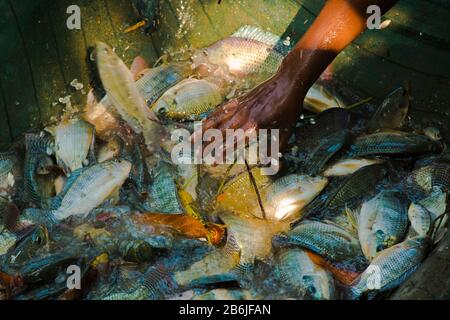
276, 103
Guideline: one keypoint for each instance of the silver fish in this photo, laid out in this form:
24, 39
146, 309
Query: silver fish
73, 140
124, 94
296, 270
391, 267
382, 222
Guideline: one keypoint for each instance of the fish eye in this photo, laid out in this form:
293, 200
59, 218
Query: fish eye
205, 53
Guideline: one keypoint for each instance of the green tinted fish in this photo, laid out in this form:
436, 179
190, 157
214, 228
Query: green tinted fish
124, 94
420, 182
327, 240
73, 141
325, 149
302, 276
392, 112
391, 267
37, 162
189, 100
27, 246
356, 186
393, 143
382, 222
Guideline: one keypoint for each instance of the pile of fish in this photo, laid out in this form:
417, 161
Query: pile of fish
93, 207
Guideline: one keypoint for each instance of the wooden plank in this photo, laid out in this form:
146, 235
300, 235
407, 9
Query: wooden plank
96, 24
5, 129
17, 79
72, 50
43, 58
134, 43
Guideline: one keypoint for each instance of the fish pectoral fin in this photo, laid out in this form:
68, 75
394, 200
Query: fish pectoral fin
353, 216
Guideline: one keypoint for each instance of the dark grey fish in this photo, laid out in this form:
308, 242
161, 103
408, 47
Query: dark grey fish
393, 143
420, 182
357, 186
392, 112
324, 151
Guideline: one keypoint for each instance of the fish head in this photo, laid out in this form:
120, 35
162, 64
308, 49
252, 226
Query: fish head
45, 165
318, 286
105, 56
25, 248
120, 168
163, 106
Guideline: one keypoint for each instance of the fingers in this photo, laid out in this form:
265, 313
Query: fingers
139, 64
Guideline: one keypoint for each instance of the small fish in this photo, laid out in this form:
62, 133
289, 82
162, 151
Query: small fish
392, 112
356, 186
88, 189
382, 222
189, 100
391, 267
248, 51
163, 192
300, 274
420, 219
290, 194
420, 182
319, 99
156, 81
122, 90
73, 141
393, 143
138, 251
149, 10
26, 246
348, 166
433, 133
327, 240
324, 151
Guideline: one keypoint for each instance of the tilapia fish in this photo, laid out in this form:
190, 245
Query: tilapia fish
319, 99
124, 94
288, 195
356, 186
10, 171
324, 151
422, 213
73, 140
420, 182
88, 189
37, 162
392, 112
348, 166
382, 222
248, 51
327, 240
189, 100
302, 276
391, 267
393, 143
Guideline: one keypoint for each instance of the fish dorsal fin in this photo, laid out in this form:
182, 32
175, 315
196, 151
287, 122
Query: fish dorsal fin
266, 37
353, 216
